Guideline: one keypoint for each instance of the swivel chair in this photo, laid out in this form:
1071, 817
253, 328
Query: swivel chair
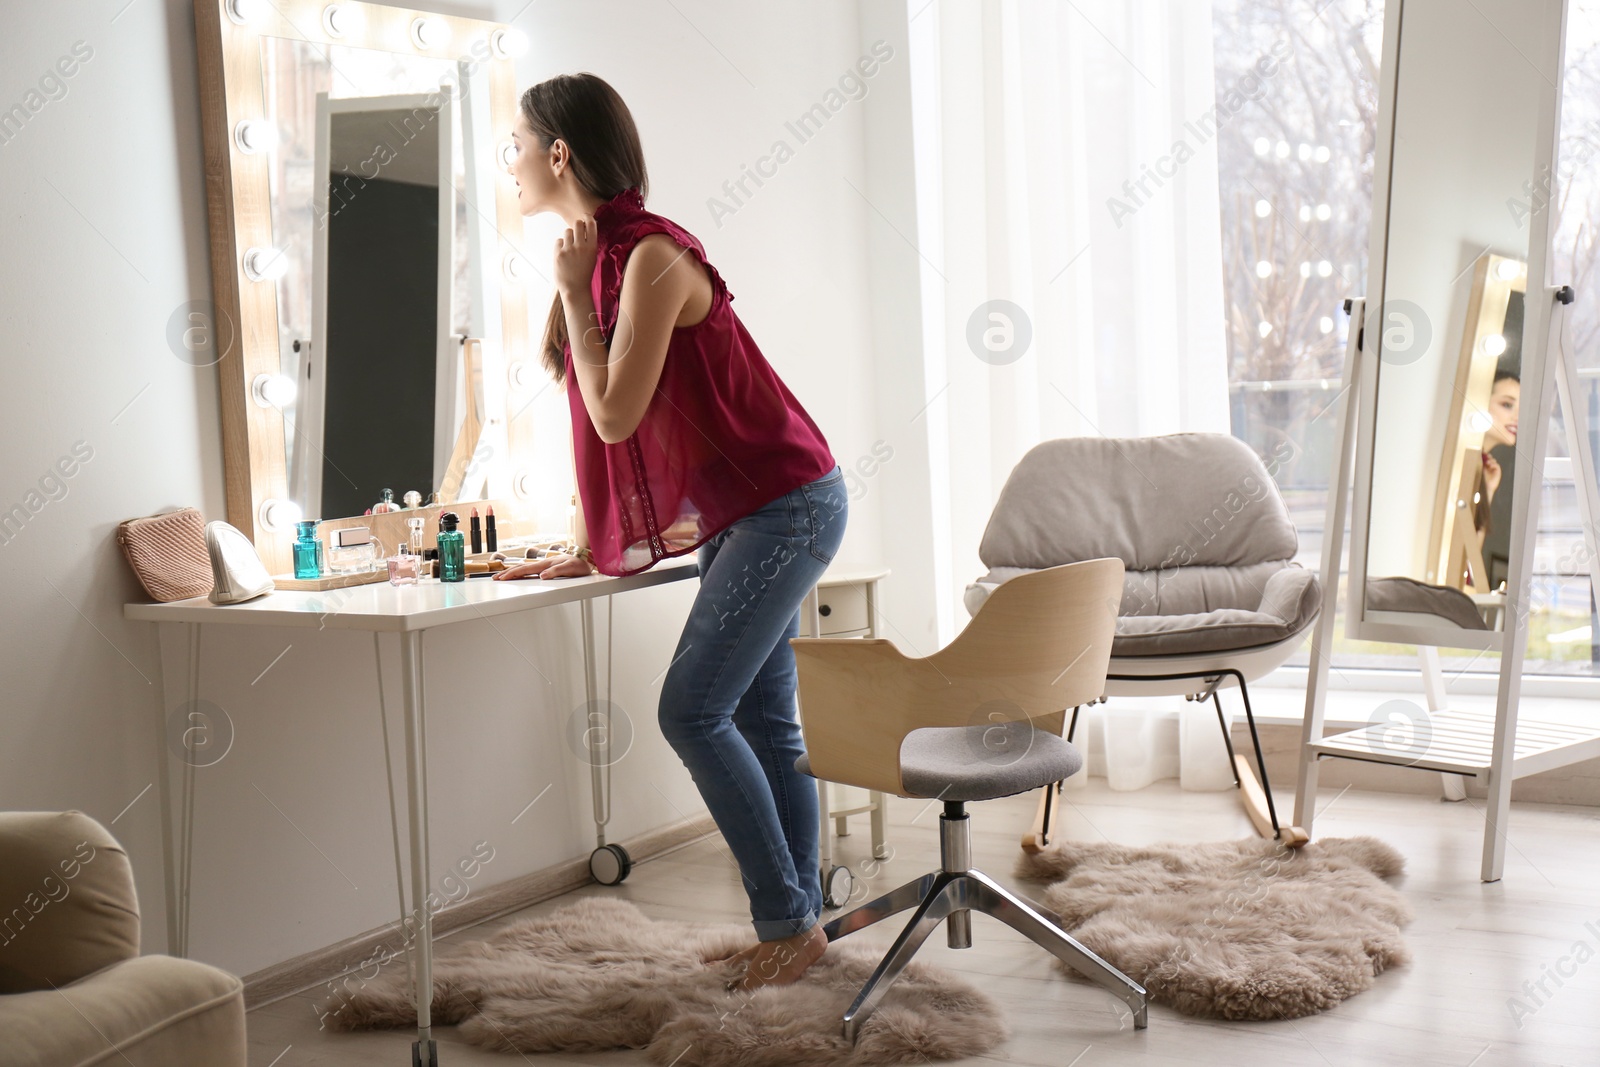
979, 719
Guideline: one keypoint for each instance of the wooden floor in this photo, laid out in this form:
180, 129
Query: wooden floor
1475, 945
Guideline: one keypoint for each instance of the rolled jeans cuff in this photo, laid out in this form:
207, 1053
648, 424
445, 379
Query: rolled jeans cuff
778, 929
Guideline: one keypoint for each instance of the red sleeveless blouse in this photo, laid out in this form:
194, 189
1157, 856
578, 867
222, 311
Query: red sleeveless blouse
721, 437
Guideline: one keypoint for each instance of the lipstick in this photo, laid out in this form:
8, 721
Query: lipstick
477, 533
491, 539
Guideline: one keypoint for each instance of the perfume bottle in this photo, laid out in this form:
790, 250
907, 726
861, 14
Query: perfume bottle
413, 499
414, 548
452, 549
353, 551
386, 504
404, 568
307, 550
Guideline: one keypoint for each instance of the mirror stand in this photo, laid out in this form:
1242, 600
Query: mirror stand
1496, 749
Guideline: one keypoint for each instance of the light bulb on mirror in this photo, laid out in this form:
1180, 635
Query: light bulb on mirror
340, 19
273, 390
430, 32
242, 11
278, 515
1507, 270
255, 135
264, 264
508, 43
508, 153
517, 374
1479, 421
517, 268
522, 485
1494, 344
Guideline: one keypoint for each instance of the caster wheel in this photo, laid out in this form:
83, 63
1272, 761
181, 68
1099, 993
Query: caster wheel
837, 891
610, 864
424, 1054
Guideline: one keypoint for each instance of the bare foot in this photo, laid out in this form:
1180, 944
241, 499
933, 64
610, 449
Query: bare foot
780, 962
732, 955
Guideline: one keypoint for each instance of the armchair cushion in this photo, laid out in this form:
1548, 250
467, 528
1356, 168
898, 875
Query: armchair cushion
153, 1011
1266, 603
1289, 603
68, 889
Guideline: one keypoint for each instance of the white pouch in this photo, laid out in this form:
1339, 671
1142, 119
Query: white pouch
236, 568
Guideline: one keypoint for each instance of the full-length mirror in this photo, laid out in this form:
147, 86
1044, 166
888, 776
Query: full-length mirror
1431, 538
371, 256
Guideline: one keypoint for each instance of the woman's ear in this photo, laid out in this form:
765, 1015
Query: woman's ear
560, 157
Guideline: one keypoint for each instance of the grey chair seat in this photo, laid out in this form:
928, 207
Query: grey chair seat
967, 763
1408, 594
1289, 599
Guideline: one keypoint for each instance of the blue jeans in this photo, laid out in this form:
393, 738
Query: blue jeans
728, 701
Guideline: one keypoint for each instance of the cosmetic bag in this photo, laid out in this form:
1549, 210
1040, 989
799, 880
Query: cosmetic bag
168, 553
236, 567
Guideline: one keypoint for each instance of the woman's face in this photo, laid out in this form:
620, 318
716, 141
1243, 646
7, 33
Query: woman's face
1503, 409
531, 167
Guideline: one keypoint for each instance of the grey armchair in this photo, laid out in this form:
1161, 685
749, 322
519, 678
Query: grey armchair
1211, 594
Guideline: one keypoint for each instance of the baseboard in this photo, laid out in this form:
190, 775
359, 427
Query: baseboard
326, 964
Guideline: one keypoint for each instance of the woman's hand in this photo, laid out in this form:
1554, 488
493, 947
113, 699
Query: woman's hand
560, 565
1491, 474
574, 257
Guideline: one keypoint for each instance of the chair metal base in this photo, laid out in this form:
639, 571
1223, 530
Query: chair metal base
954, 894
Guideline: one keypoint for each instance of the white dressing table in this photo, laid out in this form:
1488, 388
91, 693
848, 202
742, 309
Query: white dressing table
409, 611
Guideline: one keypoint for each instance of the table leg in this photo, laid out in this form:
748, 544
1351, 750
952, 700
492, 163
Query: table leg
172, 862
424, 1052
596, 748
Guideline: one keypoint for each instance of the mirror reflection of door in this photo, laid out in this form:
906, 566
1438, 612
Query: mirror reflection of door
1449, 321
383, 263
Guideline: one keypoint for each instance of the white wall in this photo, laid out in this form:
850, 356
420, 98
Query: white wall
105, 232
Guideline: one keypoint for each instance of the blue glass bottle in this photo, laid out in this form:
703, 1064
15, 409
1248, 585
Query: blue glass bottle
307, 550
452, 549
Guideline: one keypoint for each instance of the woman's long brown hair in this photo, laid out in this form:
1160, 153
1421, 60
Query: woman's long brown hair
587, 113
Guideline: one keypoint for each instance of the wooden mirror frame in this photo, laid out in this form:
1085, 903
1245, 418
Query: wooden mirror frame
239, 213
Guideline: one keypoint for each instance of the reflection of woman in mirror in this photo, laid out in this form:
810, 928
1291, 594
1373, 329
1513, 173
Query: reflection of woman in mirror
678, 420
1493, 512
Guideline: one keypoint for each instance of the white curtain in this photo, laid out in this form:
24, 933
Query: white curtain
1066, 164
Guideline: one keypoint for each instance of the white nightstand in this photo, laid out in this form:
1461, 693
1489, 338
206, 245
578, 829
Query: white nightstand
844, 604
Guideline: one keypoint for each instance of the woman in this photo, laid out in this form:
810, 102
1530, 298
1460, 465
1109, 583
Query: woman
685, 439
1493, 513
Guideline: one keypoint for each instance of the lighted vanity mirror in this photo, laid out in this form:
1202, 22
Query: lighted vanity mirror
371, 255
1431, 523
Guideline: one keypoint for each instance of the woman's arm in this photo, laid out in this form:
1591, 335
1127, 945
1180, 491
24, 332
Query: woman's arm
580, 532
617, 384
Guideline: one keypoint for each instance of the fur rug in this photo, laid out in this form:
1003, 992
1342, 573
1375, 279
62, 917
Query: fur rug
1235, 930
598, 975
